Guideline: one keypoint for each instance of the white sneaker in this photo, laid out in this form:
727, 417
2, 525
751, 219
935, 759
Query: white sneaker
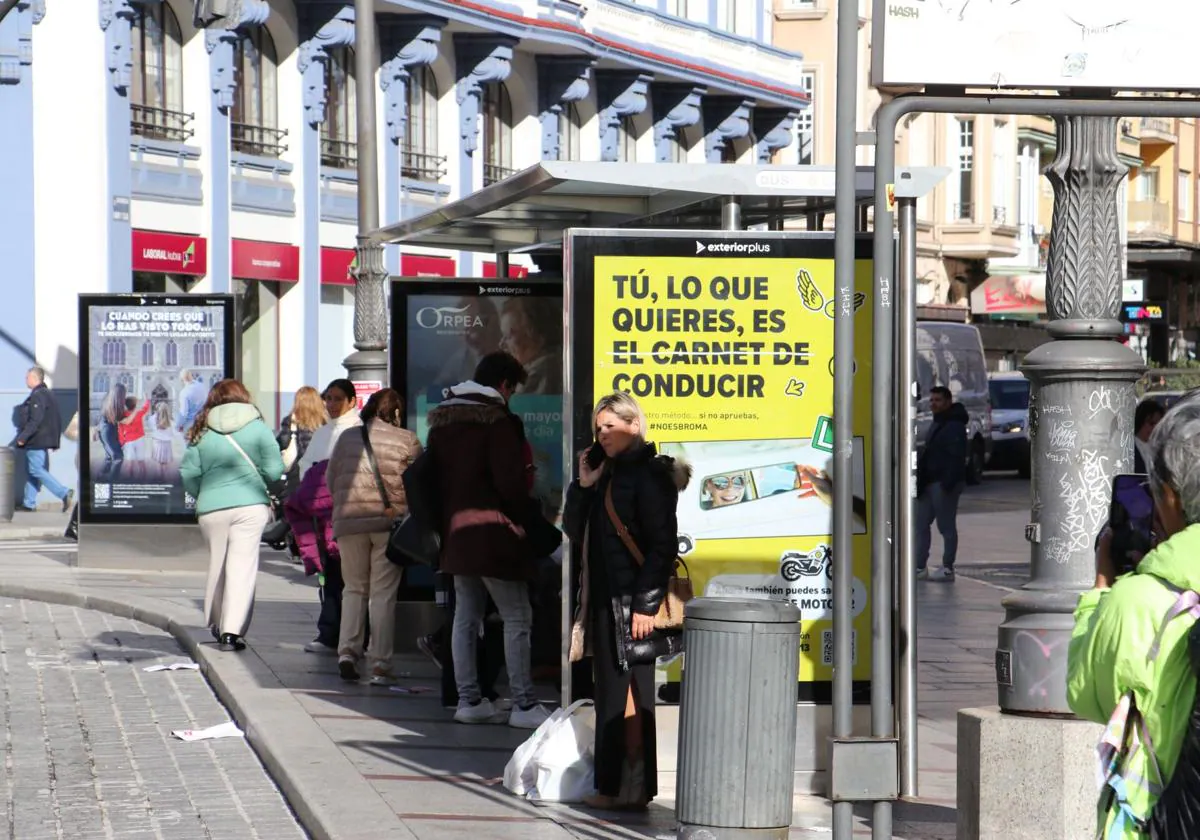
944, 574
503, 704
317, 646
481, 712
923, 574
530, 718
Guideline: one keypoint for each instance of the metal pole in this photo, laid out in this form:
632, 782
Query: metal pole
904, 483
1075, 378
843, 394
731, 213
502, 265
369, 363
1080, 414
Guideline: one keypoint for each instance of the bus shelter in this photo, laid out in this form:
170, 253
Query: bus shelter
683, 221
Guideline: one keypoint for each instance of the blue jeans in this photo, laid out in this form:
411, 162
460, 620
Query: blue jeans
937, 504
114, 455
512, 601
37, 463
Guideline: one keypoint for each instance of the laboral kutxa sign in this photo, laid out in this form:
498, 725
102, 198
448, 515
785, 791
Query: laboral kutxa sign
726, 340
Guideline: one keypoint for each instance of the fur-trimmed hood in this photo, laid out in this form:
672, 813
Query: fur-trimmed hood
469, 402
675, 470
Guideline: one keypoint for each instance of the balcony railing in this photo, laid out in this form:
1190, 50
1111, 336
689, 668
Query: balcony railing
964, 212
494, 173
159, 123
1157, 127
421, 166
1149, 216
999, 215
339, 154
258, 139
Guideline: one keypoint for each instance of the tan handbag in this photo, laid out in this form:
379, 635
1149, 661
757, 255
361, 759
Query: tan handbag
679, 589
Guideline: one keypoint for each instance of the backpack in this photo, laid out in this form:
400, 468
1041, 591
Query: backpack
1131, 779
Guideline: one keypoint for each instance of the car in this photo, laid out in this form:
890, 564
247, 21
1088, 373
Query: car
951, 354
1165, 398
1010, 422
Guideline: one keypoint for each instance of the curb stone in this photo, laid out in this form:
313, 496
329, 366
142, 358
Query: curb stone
299, 757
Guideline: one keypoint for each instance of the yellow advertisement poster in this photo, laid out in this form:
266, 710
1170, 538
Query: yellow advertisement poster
727, 343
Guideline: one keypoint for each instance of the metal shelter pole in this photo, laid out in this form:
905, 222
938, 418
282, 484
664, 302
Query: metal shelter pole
502, 265
369, 362
731, 213
1081, 369
904, 391
843, 394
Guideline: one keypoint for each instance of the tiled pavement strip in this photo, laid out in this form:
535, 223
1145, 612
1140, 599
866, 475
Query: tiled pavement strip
362, 762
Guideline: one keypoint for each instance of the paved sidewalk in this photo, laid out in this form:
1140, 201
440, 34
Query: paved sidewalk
89, 752
357, 761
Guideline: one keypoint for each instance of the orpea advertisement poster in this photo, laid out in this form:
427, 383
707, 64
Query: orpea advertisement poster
726, 340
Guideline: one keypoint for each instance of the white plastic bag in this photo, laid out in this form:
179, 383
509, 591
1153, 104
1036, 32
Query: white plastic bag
555, 763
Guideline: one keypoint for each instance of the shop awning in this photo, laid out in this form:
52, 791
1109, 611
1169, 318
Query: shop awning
531, 209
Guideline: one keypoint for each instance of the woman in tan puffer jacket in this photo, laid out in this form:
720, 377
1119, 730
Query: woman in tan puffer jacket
362, 520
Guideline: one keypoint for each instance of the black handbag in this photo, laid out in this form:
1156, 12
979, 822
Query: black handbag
409, 543
645, 651
541, 536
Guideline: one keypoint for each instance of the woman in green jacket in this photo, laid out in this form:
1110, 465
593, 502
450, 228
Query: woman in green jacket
231, 461
1113, 651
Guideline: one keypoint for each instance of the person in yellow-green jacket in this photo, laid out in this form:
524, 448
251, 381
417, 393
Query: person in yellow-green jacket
1129, 647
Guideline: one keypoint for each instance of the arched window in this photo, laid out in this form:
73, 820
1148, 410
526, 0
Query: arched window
627, 140
156, 97
339, 135
255, 114
126, 379
147, 353
172, 354
204, 353
100, 383
570, 126
497, 134
421, 160
112, 353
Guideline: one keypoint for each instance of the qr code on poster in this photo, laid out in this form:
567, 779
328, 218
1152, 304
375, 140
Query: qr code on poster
827, 647
102, 492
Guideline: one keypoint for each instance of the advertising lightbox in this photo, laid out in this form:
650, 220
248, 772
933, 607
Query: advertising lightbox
726, 341
147, 363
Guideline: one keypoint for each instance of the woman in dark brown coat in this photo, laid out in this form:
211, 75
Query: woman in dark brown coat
362, 521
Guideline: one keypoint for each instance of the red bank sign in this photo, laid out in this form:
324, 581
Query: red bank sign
169, 253
338, 263
265, 261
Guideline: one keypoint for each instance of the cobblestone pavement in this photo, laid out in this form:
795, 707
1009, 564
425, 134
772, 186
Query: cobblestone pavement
88, 747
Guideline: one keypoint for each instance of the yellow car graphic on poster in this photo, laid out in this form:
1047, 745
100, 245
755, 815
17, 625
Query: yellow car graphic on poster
731, 359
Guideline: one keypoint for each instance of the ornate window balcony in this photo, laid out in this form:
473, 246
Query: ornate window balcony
160, 123
258, 140
493, 173
339, 154
420, 166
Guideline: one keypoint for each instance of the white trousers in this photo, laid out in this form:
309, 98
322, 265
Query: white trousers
233, 537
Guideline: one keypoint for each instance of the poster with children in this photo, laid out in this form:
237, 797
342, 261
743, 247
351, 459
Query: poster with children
148, 362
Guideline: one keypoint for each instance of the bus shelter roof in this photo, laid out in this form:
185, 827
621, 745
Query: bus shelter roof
531, 209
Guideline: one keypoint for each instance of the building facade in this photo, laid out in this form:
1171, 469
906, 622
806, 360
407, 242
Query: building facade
143, 155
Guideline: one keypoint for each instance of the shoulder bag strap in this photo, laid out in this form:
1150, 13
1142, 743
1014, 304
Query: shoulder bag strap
622, 531
370, 450
253, 465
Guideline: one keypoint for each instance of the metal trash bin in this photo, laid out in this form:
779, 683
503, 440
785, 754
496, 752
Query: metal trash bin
737, 720
8, 483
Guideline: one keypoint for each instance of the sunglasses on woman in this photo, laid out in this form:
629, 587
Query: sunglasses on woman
722, 482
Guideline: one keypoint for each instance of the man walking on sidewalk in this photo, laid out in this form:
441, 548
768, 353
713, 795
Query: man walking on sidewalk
39, 428
477, 447
941, 474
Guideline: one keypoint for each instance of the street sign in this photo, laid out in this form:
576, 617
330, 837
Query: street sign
1044, 45
725, 339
